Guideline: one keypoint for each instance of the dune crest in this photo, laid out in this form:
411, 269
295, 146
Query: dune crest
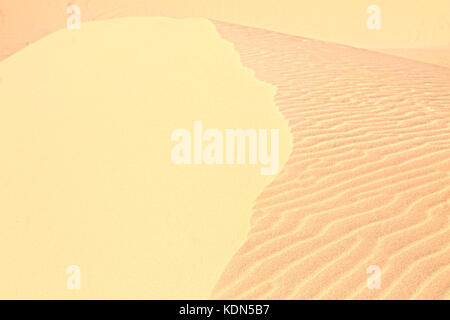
438, 56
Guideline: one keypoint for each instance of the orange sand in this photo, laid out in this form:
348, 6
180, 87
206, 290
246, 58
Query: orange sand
438, 56
368, 182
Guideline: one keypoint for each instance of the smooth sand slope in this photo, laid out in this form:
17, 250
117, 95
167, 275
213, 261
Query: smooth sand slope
367, 183
86, 176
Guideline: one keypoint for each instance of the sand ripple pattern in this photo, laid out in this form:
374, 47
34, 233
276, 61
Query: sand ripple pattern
367, 183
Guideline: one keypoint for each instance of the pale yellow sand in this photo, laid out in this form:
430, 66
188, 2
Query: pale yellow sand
85, 172
367, 183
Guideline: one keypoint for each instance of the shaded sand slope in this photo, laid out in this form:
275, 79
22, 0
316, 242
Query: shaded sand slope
86, 176
367, 182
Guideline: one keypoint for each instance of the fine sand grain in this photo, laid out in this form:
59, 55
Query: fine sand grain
86, 176
367, 182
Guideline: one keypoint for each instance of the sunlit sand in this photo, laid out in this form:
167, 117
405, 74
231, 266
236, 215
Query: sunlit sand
86, 174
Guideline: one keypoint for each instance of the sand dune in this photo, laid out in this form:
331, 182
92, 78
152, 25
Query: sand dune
405, 23
86, 176
367, 183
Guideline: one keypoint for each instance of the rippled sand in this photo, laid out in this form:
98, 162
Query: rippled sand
367, 182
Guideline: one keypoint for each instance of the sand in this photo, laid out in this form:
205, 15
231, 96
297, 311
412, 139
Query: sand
86, 176
367, 182
439, 56
404, 23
